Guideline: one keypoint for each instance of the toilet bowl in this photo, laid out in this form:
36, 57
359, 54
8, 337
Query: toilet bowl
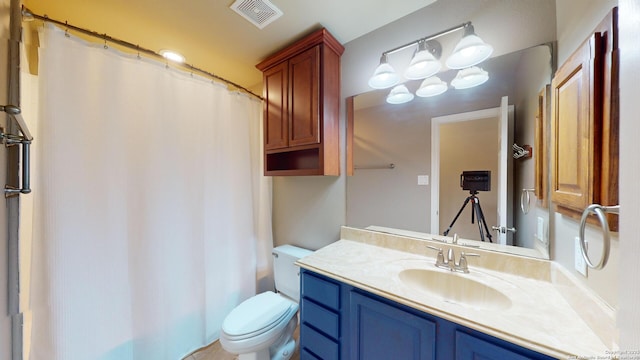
261, 327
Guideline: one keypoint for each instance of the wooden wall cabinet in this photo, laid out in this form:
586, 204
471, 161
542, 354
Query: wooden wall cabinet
301, 107
584, 125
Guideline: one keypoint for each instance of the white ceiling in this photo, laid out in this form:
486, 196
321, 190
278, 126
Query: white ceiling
213, 37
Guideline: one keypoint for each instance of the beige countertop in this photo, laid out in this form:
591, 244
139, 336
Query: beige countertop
549, 313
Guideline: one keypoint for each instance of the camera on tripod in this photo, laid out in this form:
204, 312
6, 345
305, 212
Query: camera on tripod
475, 181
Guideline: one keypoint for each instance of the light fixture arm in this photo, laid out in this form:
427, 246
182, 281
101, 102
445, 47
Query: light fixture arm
469, 30
432, 46
430, 37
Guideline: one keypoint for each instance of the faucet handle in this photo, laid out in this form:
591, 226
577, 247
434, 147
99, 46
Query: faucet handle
462, 263
468, 254
439, 257
434, 248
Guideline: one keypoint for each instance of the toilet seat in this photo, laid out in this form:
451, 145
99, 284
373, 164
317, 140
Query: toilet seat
258, 315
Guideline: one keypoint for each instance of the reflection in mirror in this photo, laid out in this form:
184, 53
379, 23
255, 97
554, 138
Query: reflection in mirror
394, 184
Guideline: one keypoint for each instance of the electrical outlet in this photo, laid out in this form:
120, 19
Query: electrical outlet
423, 179
579, 263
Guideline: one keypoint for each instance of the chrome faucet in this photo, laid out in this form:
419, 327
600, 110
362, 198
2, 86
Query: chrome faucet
450, 262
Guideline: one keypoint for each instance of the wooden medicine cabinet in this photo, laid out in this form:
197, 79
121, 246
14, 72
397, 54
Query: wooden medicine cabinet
584, 125
301, 107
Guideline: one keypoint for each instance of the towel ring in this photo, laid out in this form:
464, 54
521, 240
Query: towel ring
525, 194
600, 211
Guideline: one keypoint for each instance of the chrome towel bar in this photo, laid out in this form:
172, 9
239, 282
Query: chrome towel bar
25, 141
600, 211
380, 167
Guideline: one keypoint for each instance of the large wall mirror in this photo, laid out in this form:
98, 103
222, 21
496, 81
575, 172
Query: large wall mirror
408, 158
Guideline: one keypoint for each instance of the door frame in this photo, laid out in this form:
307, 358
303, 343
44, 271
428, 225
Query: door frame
435, 153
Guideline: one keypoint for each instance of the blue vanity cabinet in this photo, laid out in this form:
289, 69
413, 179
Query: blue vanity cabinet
381, 331
339, 321
321, 313
470, 347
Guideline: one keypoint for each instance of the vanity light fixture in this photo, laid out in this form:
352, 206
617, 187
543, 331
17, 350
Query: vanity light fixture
399, 95
471, 50
384, 76
172, 55
425, 63
432, 86
470, 77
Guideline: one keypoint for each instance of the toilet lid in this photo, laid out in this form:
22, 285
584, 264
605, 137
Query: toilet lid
256, 313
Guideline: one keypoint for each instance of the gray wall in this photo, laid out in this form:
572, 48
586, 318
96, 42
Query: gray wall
390, 197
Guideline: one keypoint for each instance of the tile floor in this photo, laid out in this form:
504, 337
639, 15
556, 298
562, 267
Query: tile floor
216, 352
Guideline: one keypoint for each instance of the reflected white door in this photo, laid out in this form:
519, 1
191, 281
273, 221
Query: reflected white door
501, 178
505, 173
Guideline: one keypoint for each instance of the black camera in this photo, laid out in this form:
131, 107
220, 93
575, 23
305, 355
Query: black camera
475, 181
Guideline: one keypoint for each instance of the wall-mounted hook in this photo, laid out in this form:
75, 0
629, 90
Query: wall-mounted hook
524, 151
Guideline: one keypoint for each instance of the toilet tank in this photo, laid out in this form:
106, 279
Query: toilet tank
285, 272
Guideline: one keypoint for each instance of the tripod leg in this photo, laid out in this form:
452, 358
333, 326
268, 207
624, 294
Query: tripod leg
476, 209
473, 200
457, 215
483, 221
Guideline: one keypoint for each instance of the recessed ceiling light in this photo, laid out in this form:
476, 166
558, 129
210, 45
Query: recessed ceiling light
172, 55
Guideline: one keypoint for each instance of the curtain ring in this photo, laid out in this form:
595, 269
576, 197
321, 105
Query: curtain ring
599, 210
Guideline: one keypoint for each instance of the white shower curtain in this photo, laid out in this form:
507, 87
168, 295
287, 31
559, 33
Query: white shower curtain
151, 216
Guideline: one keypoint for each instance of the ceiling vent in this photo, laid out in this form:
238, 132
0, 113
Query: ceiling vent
259, 12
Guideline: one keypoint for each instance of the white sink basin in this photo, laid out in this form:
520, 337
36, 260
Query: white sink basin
455, 288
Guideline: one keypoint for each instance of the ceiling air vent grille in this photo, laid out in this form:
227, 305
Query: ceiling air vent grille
259, 12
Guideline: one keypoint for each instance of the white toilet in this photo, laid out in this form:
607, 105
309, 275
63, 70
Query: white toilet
261, 327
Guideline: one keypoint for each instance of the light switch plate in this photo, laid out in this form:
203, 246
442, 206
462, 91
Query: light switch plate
540, 230
423, 179
579, 263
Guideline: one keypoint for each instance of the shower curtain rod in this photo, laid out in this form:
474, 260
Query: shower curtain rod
28, 14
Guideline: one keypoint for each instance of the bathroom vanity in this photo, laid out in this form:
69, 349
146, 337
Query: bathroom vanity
379, 296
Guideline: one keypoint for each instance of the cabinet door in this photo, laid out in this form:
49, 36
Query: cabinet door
472, 348
304, 80
276, 128
575, 127
381, 331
